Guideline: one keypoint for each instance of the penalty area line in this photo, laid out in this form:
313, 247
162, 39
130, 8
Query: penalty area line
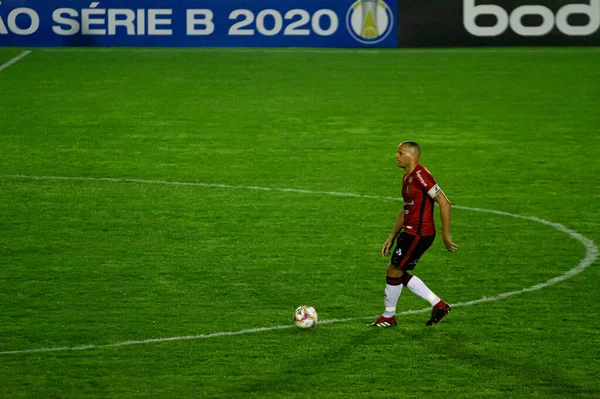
15, 59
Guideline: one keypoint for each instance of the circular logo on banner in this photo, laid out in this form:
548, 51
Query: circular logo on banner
369, 21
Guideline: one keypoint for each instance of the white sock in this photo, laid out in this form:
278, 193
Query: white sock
419, 288
392, 294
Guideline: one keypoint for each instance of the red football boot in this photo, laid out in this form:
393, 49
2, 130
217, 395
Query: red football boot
438, 312
384, 322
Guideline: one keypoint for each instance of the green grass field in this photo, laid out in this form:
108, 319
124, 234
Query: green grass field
105, 255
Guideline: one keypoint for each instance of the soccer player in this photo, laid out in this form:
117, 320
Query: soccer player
414, 233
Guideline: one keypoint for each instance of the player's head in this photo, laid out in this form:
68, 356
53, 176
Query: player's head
408, 154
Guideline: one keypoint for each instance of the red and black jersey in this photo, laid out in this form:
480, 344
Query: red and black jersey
418, 190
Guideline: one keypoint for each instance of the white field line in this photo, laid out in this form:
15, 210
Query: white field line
471, 50
14, 60
590, 256
215, 185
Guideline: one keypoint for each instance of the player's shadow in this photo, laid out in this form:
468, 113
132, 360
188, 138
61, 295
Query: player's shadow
456, 346
443, 342
286, 380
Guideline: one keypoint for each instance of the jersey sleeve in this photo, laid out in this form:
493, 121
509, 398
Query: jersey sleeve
427, 182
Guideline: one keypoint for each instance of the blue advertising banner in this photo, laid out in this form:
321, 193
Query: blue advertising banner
199, 23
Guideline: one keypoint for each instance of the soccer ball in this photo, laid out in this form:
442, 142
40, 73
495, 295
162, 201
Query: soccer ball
305, 317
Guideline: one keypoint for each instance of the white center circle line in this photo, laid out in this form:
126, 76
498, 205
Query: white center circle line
590, 256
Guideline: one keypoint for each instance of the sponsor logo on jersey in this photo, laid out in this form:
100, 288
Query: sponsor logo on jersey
421, 178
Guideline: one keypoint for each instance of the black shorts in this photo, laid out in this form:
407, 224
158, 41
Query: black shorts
409, 249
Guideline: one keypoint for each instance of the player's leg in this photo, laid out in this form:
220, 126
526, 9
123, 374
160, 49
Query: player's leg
393, 286
393, 289
439, 307
418, 287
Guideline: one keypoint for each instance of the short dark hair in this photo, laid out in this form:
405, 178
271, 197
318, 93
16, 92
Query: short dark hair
413, 144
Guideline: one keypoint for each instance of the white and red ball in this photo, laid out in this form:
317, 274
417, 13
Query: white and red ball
305, 317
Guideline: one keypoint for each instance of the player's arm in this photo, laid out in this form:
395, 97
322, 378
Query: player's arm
395, 231
444, 204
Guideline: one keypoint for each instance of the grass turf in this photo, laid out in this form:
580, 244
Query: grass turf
99, 262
